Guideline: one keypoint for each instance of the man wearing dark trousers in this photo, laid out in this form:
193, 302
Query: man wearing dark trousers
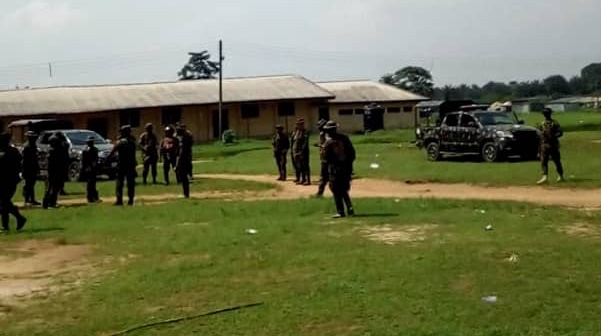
300, 152
169, 152
281, 145
126, 165
55, 179
550, 134
323, 182
339, 155
149, 144
184, 159
89, 163
31, 168
10, 167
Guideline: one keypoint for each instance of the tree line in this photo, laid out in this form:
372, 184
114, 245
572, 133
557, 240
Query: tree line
420, 81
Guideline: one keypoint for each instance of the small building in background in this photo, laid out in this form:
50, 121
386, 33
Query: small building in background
574, 103
527, 105
387, 106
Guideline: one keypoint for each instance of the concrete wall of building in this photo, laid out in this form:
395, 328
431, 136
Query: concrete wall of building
397, 115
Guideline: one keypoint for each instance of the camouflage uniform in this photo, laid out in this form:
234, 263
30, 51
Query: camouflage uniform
10, 167
31, 168
55, 179
126, 169
150, 156
551, 132
89, 162
281, 145
300, 154
183, 166
169, 151
324, 177
339, 154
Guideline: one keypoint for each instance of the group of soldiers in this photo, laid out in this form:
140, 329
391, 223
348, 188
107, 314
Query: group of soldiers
337, 156
175, 149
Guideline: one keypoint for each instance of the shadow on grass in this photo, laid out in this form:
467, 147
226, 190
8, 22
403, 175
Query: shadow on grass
43, 230
376, 215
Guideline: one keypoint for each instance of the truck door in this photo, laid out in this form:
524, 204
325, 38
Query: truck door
449, 132
469, 131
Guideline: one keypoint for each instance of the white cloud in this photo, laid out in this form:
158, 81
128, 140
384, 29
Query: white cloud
42, 16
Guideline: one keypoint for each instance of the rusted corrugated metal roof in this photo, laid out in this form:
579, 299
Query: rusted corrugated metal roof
64, 100
365, 91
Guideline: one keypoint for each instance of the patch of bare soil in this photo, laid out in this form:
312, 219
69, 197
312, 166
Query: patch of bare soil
582, 230
35, 267
405, 234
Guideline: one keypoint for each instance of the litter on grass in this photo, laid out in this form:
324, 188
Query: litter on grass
490, 299
252, 231
514, 258
489, 228
374, 166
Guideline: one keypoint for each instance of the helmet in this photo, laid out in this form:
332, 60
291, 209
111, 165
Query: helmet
330, 125
321, 123
148, 126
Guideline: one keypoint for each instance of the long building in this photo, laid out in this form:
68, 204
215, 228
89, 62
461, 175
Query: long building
251, 106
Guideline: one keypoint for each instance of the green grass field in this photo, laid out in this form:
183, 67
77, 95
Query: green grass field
401, 160
318, 277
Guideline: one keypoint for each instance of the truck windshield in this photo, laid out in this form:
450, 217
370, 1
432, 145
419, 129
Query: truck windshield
80, 138
495, 118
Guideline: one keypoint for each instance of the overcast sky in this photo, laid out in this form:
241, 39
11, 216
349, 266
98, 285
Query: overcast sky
461, 41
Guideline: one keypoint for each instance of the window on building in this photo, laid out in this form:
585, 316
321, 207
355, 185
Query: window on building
286, 109
345, 112
171, 115
394, 110
130, 117
452, 120
407, 109
249, 111
360, 111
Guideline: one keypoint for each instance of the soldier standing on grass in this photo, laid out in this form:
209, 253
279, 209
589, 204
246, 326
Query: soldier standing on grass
281, 145
55, 177
339, 155
89, 162
64, 161
323, 182
300, 152
125, 148
184, 159
551, 132
169, 152
150, 156
10, 167
31, 168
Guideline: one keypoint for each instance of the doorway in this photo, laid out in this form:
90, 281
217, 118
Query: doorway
99, 125
373, 119
324, 113
225, 122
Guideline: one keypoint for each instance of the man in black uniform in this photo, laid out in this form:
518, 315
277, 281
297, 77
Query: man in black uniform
324, 166
55, 177
31, 168
10, 167
280, 145
184, 159
169, 152
339, 155
149, 145
89, 162
126, 169
300, 152
64, 153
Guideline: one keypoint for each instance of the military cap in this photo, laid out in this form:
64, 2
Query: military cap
149, 125
547, 110
180, 126
279, 127
125, 128
321, 123
300, 121
330, 125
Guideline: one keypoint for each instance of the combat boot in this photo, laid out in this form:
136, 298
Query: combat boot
561, 179
21, 222
543, 180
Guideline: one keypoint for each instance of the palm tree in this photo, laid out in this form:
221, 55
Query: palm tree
199, 66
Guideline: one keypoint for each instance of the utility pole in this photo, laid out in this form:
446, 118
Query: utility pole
220, 88
50, 68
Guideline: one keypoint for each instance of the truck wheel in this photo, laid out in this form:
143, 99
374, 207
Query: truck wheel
433, 151
74, 171
490, 152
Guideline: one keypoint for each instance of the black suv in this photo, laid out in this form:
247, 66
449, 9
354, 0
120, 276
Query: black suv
77, 142
493, 135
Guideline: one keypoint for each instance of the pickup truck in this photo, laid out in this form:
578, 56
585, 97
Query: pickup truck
492, 135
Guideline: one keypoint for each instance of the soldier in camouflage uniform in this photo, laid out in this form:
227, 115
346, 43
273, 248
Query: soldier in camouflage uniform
31, 168
281, 145
10, 167
550, 134
150, 156
339, 154
183, 167
126, 169
169, 152
89, 163
300, 152
323, 182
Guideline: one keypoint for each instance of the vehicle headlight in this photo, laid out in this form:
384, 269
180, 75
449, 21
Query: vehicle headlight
504, 134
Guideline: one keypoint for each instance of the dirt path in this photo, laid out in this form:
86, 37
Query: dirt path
369, 188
